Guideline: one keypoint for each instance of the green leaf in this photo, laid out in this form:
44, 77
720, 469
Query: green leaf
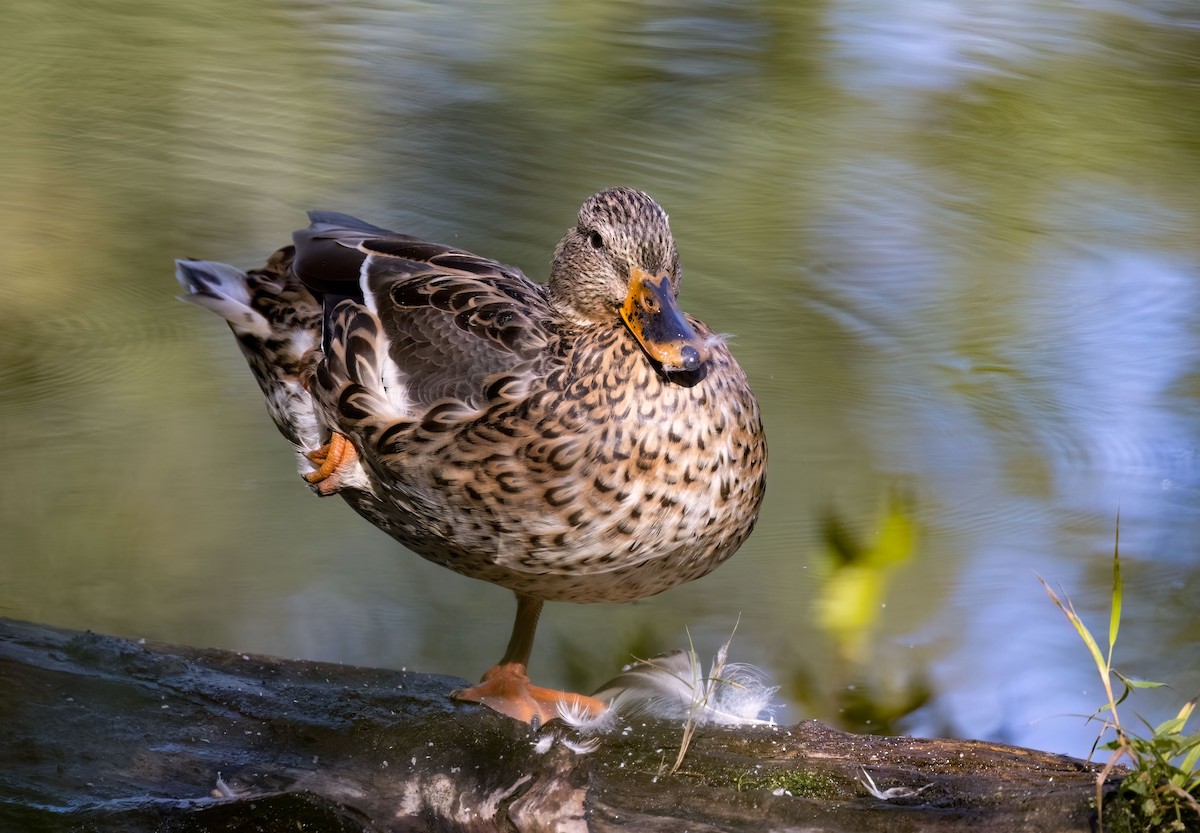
1185, 711
1124, 694
1174, 726
1114, 617
1135, 785
1134, 683
1069, 611
1188, 764
1145, 684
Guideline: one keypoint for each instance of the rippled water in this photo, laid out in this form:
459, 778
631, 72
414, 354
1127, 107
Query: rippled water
956, 244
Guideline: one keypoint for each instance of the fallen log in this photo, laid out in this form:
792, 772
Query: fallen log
101, 733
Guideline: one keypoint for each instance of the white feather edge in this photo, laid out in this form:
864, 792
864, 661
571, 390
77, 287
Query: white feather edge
391, 378
673, 686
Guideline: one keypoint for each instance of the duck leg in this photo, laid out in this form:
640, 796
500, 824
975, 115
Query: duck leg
506, 687
330, 458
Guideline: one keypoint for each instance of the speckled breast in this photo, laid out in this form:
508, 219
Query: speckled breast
605, 482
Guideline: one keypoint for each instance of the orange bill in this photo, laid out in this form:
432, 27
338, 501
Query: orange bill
653, 316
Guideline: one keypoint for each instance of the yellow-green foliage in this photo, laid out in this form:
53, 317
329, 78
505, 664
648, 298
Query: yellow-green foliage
1160, 792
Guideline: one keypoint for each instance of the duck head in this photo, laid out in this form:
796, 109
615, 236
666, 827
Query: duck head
619, 259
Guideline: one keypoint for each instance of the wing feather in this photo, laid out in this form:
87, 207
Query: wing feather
452, 320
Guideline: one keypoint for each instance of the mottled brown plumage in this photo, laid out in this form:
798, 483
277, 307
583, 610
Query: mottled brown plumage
577, 441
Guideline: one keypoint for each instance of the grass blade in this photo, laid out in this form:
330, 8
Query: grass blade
1069, 611
1131, 682
1114, 617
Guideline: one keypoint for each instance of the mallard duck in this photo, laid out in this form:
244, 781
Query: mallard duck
582, 440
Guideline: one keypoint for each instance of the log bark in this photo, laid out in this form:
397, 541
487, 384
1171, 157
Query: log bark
100, 733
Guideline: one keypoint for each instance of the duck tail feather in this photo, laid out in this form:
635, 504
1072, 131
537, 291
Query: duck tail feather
222, 289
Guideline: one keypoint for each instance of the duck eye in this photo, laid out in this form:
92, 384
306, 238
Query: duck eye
595, 240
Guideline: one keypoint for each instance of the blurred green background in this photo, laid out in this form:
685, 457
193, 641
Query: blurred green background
956, 244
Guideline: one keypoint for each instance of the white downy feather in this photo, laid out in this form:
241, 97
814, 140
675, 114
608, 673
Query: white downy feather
673, 686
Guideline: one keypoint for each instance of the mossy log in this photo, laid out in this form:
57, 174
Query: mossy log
102, 733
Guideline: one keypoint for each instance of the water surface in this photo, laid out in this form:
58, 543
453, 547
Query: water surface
955, 243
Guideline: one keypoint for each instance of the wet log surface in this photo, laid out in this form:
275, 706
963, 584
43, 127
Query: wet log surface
102, 733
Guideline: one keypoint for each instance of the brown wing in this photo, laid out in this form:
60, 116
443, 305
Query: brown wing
452, 319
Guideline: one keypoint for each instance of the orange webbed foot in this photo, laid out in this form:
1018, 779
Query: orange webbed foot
331, 459
506, 689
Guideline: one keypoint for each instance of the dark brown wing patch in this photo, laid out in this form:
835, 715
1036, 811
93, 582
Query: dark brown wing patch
452, 320
450, 333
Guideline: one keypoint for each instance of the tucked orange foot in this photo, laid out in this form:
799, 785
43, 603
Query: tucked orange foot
506, 689
330, 458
